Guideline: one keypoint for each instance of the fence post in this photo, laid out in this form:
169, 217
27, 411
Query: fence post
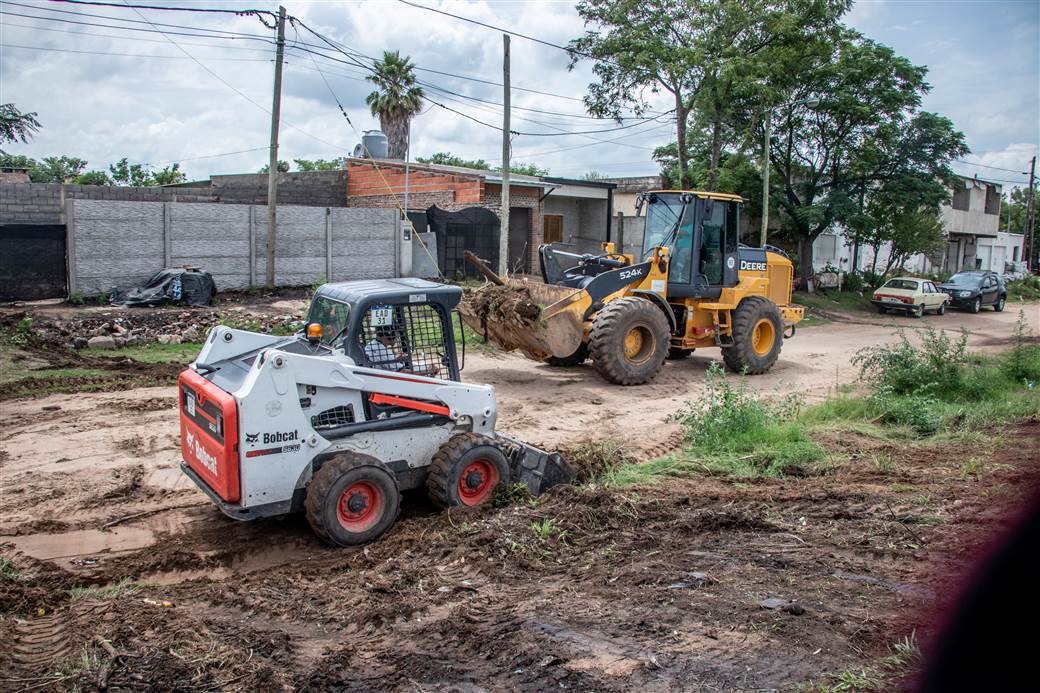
167, 232
328, 244
621, 233
70, 246
252, 246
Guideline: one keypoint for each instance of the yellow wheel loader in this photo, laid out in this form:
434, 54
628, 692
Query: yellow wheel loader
693, 286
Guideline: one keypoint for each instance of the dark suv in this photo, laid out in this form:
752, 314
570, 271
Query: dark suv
973, 289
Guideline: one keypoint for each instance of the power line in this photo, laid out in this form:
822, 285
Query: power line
167, 8
130, 55
236, 90
132, 38
1009, 170
221, 33
207, 156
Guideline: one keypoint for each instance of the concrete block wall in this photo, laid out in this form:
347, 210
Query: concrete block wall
115, 243
308, 188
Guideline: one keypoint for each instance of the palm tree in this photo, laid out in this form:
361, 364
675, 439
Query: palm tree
396, 100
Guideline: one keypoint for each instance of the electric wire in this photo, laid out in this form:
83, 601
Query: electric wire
998, 168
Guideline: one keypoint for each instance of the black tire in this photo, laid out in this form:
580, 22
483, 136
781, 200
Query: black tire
352, 499
677, 353
941, 310
882, 310
465, 471
638, 324
742, 356
999, 305
976, 305
576, 359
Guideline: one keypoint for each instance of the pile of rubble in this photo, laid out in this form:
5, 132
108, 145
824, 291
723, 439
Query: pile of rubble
122, 329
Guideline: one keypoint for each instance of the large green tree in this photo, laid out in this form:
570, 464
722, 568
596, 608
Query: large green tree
866, 137
16, 126
715, 57
396, 100
125, 173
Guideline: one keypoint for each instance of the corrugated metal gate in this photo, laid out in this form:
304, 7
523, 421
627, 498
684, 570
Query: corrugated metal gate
32, 262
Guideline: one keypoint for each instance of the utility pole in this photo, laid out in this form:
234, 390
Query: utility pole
765, 177
1031, 259
272, 171
503, 236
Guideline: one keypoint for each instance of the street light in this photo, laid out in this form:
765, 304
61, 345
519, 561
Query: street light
811, 102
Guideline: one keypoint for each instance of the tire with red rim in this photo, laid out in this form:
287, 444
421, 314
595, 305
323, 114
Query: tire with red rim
466, 470
352, 499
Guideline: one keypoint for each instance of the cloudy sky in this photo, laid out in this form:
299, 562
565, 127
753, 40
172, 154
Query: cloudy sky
159, 87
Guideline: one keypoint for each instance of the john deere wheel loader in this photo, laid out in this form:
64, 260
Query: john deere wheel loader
693, 286
338, 419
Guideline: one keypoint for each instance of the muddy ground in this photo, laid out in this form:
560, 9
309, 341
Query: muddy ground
120, 574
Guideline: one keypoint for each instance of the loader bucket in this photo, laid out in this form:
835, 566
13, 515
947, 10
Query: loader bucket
541, 320
535, 468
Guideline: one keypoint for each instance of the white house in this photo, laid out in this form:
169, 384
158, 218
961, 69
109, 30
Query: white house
970, 223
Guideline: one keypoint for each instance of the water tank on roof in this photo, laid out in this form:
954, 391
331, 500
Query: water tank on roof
374, 145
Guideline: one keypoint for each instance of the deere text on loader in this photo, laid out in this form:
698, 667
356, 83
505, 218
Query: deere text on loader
693, 286
337, 420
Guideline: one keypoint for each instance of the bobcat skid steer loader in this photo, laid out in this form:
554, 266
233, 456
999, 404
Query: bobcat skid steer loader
337, 420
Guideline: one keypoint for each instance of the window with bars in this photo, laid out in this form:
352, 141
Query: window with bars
405, 338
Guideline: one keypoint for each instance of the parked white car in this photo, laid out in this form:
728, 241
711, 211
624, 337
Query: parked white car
910, 295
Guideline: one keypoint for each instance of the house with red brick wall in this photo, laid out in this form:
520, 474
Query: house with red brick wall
463, 207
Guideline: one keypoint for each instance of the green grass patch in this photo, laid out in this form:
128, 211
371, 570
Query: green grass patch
475, 342
1024, 289
150, 353
119, 589
830, 300
932, 392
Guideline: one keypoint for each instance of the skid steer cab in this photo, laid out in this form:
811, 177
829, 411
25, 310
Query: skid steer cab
337, 420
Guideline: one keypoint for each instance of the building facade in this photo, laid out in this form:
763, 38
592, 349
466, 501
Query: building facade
971, 222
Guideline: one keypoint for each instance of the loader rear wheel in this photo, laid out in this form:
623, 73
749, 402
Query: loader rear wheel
465, 471
757, 336
629, 341
576, 359
352, 499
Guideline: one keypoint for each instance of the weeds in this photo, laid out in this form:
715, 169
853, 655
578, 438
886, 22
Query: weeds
118, 589
1021, 364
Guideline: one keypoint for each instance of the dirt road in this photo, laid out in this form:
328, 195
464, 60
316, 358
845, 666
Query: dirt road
654, 589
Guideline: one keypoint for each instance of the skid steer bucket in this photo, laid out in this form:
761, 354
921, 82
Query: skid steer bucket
541, 320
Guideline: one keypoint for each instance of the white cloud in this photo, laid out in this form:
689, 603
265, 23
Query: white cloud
103, 107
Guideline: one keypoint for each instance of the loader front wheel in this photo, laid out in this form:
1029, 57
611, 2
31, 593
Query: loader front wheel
757, 337
629, 341
352, 499
465, 471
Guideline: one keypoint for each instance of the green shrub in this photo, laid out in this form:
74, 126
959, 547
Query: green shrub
1027, 289
936, 367
1021, 364
730, 431
920, 414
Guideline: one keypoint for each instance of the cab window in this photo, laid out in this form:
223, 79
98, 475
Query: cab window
331, 315
711, 250
680, 265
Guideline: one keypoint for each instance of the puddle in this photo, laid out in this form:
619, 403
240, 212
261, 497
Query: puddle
82, 542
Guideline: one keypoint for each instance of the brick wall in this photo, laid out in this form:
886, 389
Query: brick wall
40, 203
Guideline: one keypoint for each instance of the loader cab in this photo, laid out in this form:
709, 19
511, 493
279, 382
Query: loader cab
701, 231
401, 325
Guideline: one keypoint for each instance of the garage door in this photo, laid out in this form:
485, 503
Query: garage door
998, 259
32, 262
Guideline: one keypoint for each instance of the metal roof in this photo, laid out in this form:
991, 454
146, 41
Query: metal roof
403, 290
701, 193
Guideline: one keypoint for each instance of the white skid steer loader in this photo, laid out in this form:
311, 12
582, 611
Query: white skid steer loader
338, 419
